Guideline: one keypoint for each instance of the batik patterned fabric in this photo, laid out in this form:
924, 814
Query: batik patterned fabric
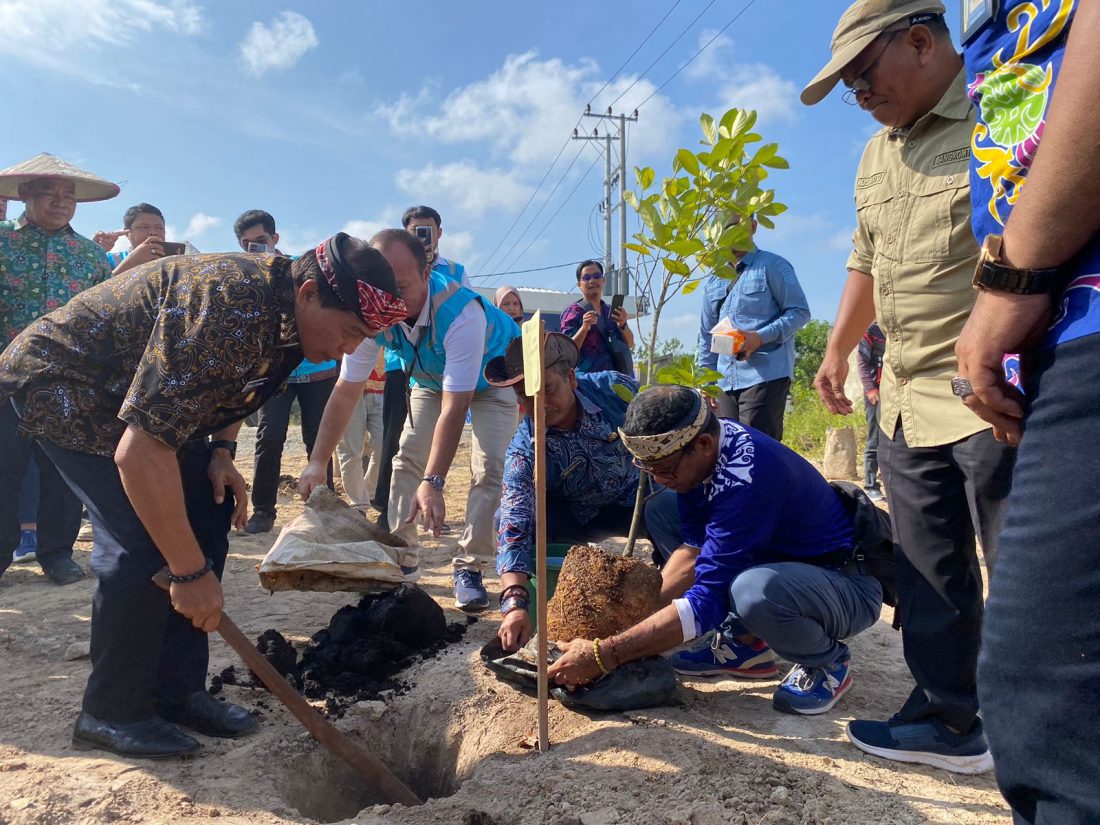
763, 503
595, 352
1012, 66
587, 467
40, 271
179, 348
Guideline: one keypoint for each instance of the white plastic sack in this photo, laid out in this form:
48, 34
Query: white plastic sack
331, 546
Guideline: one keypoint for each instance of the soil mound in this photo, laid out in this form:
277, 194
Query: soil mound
359, 655
599, 595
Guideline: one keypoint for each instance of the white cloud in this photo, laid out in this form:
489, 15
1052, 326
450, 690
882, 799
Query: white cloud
524, 109
366, 229
744, 85
458, 246
57, 34
199, 224
471, 189
278, 45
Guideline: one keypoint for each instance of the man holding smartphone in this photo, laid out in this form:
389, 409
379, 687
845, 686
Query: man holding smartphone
427, 225
143, 226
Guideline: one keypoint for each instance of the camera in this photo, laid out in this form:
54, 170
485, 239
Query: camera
424, 233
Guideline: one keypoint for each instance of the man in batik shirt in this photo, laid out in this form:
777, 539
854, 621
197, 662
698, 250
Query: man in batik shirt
43, 263
135, 390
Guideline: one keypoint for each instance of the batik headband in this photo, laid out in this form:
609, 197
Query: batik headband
654, 447
375, 307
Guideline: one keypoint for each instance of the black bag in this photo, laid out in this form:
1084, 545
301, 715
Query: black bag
873, 553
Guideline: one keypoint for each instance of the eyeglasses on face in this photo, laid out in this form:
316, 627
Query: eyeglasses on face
862, 82
592, 276
666, 469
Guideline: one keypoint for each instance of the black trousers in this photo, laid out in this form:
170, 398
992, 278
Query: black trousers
271, 436
870, 451
141, 648
1039, 669
58, 508
760, 406
939, 498
394, 413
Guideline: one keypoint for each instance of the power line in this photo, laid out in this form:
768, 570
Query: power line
702, 49
535, 217
653, 31
662, 54
526, 271
557, 157
557, 211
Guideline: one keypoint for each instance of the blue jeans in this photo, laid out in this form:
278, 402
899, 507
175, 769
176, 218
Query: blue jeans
803, 611
1039, 666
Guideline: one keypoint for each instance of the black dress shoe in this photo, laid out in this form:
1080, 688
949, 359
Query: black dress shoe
63, 571
148, 739
204, 714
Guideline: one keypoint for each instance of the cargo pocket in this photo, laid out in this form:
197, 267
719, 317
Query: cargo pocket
939, 221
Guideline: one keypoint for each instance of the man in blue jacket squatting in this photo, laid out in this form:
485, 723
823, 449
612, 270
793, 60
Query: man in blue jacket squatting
767, 543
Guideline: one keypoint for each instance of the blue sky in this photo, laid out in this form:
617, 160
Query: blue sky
338, 115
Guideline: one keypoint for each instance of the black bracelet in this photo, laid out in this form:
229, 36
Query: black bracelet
191, 577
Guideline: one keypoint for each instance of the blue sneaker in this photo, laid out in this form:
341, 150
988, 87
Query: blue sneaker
27, 551
812, 690
727, 657
927, 741
470, 593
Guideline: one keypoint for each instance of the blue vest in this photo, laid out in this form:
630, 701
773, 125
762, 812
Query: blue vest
425, 360
448, 269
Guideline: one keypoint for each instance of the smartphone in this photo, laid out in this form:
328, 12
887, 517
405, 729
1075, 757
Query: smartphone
424, 233
172, 248
617, 303
260, 248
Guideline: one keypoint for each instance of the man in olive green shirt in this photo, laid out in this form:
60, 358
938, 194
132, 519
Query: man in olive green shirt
946, 477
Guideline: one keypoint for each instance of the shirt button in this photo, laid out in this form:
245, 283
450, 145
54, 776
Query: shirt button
950, 178
903, 381
911, 144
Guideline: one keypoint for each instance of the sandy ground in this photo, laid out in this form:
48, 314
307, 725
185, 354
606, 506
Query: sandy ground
721, 756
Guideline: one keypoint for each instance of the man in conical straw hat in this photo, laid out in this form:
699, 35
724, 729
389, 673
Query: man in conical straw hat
43, 263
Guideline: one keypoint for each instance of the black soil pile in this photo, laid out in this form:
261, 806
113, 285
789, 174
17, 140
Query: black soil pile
360, 654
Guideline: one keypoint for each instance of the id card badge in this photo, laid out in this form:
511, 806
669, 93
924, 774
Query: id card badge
975, 14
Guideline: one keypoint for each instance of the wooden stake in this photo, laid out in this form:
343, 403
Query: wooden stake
534, 335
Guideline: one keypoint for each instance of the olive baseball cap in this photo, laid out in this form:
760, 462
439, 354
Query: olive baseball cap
859, 25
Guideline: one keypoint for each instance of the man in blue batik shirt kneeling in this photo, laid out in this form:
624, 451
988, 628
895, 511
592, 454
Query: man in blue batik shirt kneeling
591, 480
767, 554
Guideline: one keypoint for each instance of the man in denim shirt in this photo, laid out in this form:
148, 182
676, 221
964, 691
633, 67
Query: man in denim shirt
766, 304
591, 479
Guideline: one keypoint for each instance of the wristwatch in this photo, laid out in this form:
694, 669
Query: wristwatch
231, 446
513, 603
435, 481
991, 274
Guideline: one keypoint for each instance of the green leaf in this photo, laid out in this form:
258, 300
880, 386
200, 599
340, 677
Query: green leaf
686, 247
645, 176
709, 132
675, 266
634, 247
777, 163
687, 161
764, 221
691, 286
625, 393
632, 200
728, 120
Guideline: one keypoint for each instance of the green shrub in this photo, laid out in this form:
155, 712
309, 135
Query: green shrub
806, 421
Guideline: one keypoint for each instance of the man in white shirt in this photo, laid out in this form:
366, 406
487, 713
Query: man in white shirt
443, 345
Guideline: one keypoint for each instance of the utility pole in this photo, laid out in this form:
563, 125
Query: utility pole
618, 278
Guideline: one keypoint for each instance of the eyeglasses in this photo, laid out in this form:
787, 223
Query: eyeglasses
667, 471
592, 277
862, 83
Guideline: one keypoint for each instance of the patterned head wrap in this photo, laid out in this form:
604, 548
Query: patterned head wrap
655, 447
375, 307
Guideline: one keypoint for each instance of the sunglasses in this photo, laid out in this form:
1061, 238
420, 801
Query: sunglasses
591, 277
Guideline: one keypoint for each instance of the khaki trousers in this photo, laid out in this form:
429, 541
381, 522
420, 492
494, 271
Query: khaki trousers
493, 414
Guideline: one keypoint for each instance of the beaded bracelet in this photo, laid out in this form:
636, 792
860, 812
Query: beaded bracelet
191, 577
599, 661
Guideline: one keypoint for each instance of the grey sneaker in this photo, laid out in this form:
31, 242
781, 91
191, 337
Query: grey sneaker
260, 522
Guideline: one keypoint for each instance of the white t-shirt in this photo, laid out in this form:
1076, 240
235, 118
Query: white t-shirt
463, 346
